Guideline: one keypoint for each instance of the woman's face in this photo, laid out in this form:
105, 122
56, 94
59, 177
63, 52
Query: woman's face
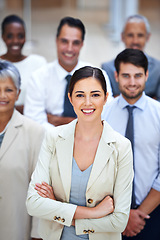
14, 38
8, 95
88, 99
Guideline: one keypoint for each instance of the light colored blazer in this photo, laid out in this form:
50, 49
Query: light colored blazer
18, 156
112, 174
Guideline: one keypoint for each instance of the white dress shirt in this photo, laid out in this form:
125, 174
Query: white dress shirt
46, 90
26, 67
146, 140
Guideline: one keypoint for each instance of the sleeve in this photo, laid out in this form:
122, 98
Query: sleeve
158, 90
34, 106
156, 183
117, 221
44, 207
36, 142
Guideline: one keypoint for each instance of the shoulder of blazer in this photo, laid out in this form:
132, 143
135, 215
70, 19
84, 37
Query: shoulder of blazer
19, 120
60, 133
111, 136
152, 60
63, 131
108, 65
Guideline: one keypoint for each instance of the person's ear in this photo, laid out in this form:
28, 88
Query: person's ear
106, 97
116, 76
18, 94
70, 98
56, 40
147, 74
82, 43
148, 36
3, 37
123, 37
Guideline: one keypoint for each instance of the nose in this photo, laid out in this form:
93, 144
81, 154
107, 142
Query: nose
132, 80
2, 94
88, 101
70, 46
15, 40
135, 39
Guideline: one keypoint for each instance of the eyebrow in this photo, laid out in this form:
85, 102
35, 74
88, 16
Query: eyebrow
139, 73
91, 91
95, 91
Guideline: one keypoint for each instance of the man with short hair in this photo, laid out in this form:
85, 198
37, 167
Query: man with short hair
135, 34
137, 116
47, 100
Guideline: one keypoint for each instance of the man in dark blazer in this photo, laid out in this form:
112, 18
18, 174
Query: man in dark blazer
135, 35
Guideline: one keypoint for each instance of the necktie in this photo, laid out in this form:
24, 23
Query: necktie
130, 127
130, 135
68, 109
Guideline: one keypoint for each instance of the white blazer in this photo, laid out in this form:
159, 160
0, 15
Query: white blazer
112, 174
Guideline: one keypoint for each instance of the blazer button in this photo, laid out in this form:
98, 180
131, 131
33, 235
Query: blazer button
90, 201
85, 231
58, 218
55, 218
92, 231
62, 220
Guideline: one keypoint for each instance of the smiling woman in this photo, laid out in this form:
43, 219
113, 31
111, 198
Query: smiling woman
9, 93
20, 140
81, 187
8, 96
88, 93
13, 35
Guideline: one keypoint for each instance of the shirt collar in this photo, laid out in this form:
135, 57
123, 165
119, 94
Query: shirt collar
139, 104
62, 73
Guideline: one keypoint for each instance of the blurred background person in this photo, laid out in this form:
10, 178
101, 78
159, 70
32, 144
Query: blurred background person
13, 35
135, 34
42, 18
47, 93
20, 141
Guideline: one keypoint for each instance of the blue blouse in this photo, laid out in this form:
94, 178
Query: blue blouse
77, 196
1, 138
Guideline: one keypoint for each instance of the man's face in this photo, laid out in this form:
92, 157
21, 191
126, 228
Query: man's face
131, 81
135, 35
69, 43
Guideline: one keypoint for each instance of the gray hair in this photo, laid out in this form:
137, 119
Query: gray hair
8, 70
137, 18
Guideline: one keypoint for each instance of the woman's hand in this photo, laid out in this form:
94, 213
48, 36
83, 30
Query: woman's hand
105, 207
44, 190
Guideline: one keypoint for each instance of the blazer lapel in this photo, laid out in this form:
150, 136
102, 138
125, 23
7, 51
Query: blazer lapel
11, 133
64, 148
103, 154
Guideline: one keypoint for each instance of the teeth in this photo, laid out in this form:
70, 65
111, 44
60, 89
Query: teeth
87, 111
15, 47
3, 103
131, 89
68, 55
